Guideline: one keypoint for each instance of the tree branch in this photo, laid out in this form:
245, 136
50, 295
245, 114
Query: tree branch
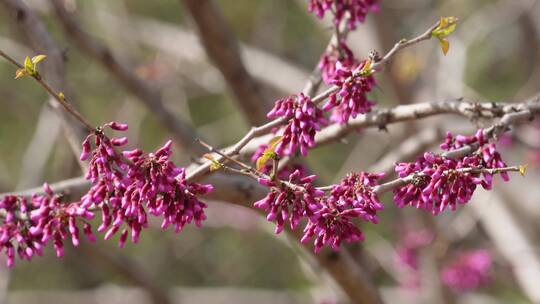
53, 67
152, 99
222, 48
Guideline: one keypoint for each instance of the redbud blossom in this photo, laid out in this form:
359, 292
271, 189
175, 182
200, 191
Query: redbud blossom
305, 120
130, 185
351, 99
354, 10
30, 224
438, 182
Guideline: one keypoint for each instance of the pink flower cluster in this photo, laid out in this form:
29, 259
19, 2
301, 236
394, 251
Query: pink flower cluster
351, 99
354, 10
127, 186
351, 199
469, 270
331, 219
30, 223
305, 120
340, 53
286, 204
440, 182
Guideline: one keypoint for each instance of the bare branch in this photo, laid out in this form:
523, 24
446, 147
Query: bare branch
53, 67
222, 48
183, 132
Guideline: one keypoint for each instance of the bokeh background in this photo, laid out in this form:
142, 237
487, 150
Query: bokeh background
235, 258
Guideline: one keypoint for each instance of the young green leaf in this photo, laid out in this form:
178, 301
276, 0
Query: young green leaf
269, 153
36, 59
29, 66
446, 26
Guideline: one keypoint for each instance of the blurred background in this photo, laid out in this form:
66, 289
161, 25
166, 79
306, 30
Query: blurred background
236, 258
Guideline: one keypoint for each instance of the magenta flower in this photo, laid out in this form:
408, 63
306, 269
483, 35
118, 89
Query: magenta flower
438, 182
351, 99
351, 199
285, 204
305, 120
468, 271
30, 224
355, 190
355, 10
127, 186
340, 53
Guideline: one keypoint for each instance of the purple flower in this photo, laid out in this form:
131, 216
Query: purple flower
30, 224
355, 10
333, 222
305, 120
285, 204
440, 182
351, 99
340, 53
130, 185
469, 270
355, 190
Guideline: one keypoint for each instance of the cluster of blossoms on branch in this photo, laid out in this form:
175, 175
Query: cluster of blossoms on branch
434, 182
354, 11
330, 218
306, 119
440, 182
31, 223
126, 187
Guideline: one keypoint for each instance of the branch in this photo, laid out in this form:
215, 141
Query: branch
222, 48
266, 128
54, 67
182, 131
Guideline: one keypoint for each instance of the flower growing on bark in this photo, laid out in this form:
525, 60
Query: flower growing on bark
351, 99
439, 182
129, 185
305, 120
290, 202
29, 224
340, 53
354, 10
333, 221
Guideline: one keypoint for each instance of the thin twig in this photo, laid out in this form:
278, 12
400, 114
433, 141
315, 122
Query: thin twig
37, 77
256, 131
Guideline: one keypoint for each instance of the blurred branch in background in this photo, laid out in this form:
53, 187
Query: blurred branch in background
54, 68
183, 132
222, 48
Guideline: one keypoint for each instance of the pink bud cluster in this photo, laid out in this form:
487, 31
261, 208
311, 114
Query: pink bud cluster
340, 53
30, 223
440, 182
130, 185
354, 10
469, 270
289, 202
351, 199
305, 120
125, 186
351, 99
330, 219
